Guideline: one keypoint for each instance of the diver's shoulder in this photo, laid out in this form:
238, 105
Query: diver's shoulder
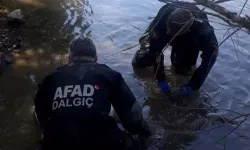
107, 69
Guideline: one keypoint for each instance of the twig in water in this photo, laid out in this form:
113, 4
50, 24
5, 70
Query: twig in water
230, 111
233, 129
136, 27
238, 39
243, 64
242, 136
150, 17
240, 116
126, 49
235, 48
224, 145
214, 127
190, 108
248, 17
171, 1
111, 38
229, 36
243, 7
131, 47
243, 104
222, 1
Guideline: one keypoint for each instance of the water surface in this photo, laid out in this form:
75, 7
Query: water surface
115, 25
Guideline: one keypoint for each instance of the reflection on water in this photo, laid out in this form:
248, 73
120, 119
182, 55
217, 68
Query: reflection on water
115, 25
78, 13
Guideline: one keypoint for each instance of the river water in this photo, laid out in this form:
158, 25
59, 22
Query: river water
115, 25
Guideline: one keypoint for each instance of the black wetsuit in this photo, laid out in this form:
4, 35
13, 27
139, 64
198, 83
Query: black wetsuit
73, 105
185, 48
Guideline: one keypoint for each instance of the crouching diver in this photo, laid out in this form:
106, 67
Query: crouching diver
73, 104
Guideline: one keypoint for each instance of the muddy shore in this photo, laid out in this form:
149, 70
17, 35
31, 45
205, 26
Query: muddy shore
10, 38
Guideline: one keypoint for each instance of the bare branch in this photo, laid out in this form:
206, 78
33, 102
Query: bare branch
214, 127
190, 108
136, 27
219, 23
170, 1
242, 21
243, 7
233, 129
239, 15
224, 145
248, 17
235, 48
129, 48
223, 18
244, 104
242, 136
150, 17
222, 1
123, 50
229, 36
240, 116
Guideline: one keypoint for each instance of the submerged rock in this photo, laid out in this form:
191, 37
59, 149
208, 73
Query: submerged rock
16, 17
4, 62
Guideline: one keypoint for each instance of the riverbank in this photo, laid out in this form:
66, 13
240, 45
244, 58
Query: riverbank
10, 36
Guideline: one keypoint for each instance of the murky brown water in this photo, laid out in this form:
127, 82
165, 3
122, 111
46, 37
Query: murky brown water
115, 25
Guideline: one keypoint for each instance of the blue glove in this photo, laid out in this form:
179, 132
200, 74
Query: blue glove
187, 90
164, 87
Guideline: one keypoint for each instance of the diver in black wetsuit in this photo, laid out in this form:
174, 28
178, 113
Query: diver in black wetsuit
73, 104
196, 34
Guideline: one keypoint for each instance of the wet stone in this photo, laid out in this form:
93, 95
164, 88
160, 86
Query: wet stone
15, 17
4, 62
159, 133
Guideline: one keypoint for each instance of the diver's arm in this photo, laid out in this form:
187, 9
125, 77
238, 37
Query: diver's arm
42, 104
209, 46
128, 109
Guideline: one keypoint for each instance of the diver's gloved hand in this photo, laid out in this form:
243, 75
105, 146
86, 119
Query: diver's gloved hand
164, 87
186, 90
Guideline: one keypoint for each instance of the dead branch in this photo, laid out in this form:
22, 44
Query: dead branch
224, 145
244, 104
190, 108
248, 17
170, 1
224, 137
234, 17
239, 15
222, 18
229, 36
136, 27
243, 7
222, 1
131, 47
240, 116
235, 48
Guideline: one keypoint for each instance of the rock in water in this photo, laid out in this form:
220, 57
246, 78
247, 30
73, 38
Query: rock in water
16, 16
4, 62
